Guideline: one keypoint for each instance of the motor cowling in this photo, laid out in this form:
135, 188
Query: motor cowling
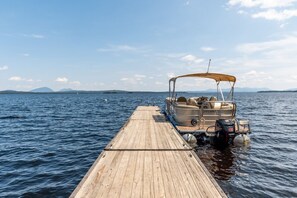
224, 130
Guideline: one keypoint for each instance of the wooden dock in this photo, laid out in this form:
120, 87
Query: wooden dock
148, 158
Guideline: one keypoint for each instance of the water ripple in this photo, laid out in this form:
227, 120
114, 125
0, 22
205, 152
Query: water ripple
49, 141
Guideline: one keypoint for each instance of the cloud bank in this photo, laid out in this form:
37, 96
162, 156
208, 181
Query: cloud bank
278, 10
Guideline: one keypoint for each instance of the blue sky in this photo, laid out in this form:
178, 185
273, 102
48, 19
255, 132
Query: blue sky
139, 45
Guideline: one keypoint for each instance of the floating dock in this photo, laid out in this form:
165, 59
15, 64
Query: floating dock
148, 158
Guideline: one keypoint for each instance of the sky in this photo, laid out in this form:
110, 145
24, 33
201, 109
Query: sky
138, 45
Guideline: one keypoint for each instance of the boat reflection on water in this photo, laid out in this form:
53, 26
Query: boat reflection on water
222, 164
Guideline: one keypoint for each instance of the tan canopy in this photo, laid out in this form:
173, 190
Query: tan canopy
217, 77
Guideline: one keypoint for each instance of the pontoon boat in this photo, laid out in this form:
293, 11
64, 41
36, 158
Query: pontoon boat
210, 118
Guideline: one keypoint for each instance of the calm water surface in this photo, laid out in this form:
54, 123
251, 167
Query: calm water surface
49, 141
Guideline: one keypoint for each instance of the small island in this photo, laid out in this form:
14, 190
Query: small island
278, 91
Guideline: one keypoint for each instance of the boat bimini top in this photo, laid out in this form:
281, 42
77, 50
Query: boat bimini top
215, 76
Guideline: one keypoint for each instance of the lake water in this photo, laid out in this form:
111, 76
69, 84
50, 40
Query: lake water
49, 141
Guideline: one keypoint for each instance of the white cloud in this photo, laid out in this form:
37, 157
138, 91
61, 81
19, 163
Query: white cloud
125, 48
18, 78
254, 73
283, 25
159, 83
254, 77
135, 79
131, 80
278, 10
294, 77
76, 83
172, 55
62, 79
272, 14
124, 79
207, 49
242, 12
4, 67
25, 54
170, 75
191, 59
270, 64
118, 48
262, 3
36, 36
65, 80
15, 78
288, 43
139, 76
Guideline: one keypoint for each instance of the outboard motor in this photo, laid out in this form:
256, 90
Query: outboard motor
225, 132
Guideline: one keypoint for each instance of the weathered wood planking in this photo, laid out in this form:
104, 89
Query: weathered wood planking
148, 158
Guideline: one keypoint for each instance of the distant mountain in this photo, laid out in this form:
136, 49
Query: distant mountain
271, 91
275, 91
114, 91
66, 90
9, 91
42, 90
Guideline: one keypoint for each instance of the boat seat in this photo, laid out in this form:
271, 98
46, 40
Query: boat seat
216, 105
202, 99
227, 106
206, 105
213, 103
212, 98
192, 101
181, 100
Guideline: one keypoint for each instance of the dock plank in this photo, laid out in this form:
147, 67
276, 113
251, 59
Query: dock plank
148, 158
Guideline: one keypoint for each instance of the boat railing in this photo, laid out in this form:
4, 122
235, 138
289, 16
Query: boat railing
206, 106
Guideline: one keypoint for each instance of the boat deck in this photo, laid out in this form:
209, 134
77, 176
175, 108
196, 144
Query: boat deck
148, 158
